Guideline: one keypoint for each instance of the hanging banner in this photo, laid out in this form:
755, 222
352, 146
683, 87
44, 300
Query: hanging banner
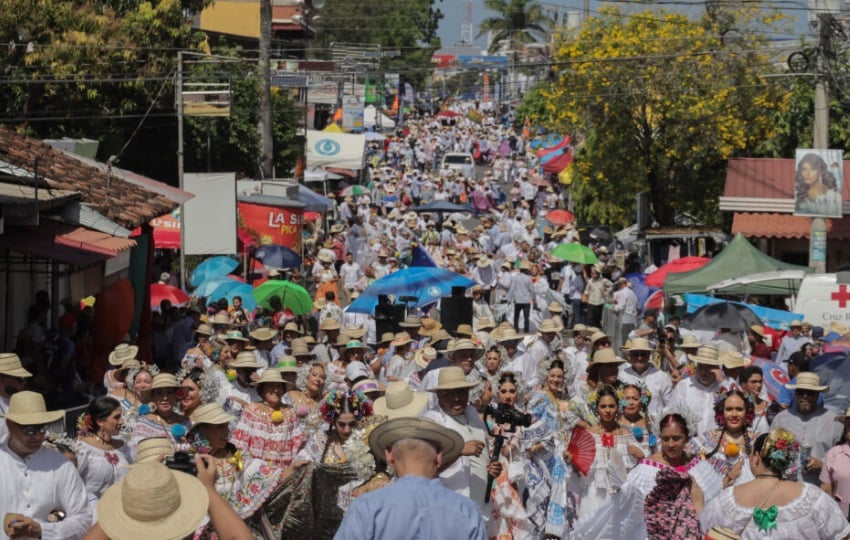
335, 149
272, 224
352, 113
818, 183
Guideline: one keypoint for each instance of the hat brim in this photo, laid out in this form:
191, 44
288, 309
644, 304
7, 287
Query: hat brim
194, 502
216, 419
114, 360
385, 435
412, 409
245, 365
453, 386
35, 419
697, 359
16, 372
807, 387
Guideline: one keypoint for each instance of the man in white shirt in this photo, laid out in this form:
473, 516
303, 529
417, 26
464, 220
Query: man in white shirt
350, 272
625, 307
242, 389
697, 393
38, 480
639, 370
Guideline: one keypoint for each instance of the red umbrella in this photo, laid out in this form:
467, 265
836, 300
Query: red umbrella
685, 264
160, 292
560, 217
447, 114
654, 301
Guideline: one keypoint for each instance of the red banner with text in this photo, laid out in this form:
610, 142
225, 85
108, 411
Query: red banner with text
272, 224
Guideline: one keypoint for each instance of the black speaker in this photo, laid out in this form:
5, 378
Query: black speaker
456, 310
388, 316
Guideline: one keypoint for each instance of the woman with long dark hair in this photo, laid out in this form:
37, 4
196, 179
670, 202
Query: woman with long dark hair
815, 188
728, 448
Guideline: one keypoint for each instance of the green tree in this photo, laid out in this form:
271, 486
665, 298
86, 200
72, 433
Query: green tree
662, 104
518, 22
406, 26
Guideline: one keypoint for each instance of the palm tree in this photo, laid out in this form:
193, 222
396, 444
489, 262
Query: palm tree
517, 22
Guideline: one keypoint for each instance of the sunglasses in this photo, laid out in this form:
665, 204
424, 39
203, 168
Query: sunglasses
38, 429
805, 392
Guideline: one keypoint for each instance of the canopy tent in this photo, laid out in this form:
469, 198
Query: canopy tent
369, 118
313, 202
781, 282
738, 259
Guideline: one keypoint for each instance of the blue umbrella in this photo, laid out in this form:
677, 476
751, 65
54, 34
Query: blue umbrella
214, 267
276, 256
426, 283
208, 286
228, 291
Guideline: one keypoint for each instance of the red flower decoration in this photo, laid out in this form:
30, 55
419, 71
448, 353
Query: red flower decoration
608, 440
780, 444
112, 458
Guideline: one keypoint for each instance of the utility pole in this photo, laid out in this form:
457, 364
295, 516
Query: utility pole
264, 123
180, 168
817, 234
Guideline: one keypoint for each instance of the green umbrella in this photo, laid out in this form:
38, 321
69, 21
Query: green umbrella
295, 297
574, 252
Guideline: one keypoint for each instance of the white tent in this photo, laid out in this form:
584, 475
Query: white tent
369, 115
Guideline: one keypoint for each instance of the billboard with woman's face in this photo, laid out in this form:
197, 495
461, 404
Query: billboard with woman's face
817, 185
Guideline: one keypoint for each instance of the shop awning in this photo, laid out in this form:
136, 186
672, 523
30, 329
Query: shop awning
775, 225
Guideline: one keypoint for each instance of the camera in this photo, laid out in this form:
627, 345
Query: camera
183, 462
505, 414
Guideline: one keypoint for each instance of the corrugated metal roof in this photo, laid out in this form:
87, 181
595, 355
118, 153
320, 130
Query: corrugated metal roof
768, 178
771, 225
78, 213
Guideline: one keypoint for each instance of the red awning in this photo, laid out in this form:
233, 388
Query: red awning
94, 241
773, 225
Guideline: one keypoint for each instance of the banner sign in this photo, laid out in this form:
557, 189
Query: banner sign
817, 183
327, 149
272, 224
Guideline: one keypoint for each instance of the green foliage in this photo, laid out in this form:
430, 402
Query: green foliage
409, 26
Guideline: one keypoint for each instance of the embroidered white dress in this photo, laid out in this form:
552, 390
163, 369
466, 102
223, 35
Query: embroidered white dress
101, 468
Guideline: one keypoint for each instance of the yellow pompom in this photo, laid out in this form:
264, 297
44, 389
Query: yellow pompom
277, 417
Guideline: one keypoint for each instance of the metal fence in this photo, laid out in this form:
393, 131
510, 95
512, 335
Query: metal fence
68, 425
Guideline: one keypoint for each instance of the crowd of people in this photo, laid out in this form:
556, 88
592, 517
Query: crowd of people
531, 420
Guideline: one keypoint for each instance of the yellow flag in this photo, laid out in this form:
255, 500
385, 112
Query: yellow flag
566, 176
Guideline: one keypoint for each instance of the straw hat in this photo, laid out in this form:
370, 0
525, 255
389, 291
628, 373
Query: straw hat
757, 329
354, 332
153, 449
507, 334
805, 381
605, 356
370, 387
439, 335
121, 352
211, 413
627, 346
451, 378
423, 357
308, 340
640, 344
484, 323
292, 327
548, 326
131, 364
235, 335
153, 501
270, 376
579, 328
263, 334
464, 344
299, 348
796, 324
204, 330
165, 380
483, 262
324, 256
401, 339
690, 342
596, 336
387, 434
221, 318
11, 365
464, 330
732, 359
429, 326
707, 355
28, 409
555, 307
411, 321
245, 359
330, 324
386, 338
337, 228
286, 364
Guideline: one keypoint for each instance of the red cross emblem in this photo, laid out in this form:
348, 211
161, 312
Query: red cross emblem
842, 296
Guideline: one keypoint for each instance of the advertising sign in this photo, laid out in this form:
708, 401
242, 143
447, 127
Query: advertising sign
817, 183
272, 224
352, 113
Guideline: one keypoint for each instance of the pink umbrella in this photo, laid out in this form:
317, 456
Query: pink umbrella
654, 301
160, 292
685, 264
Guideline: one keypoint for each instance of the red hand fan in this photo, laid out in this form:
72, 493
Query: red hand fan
582, 448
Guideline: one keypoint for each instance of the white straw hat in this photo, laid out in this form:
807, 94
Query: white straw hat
11, 365
805, 381
400, 401
122, 352
451, 378
153, 449
153, 501
449, 442
28, 409
211, 413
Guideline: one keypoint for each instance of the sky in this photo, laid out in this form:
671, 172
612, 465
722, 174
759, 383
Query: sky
455, 15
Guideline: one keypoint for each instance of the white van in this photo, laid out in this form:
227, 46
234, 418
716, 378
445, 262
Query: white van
458, 161
824, 299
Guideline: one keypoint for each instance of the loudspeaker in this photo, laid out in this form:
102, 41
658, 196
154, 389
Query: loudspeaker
456, 310
388, 316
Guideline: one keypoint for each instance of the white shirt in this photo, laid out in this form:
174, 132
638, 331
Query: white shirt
656, 381
39, 484
350, 273
625, 304
524, 364
699, 399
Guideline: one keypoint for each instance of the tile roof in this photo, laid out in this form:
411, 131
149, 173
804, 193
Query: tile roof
773, 225
767, 178
94, 241
126, 203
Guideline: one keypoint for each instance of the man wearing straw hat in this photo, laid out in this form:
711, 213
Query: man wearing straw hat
37, 480
697, 393
812, 424
468, 474
417, 505
640, 370
13, 377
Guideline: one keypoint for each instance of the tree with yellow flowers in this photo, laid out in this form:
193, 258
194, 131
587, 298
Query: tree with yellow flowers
662, 101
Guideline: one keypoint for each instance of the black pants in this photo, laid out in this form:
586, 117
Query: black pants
594, 315
526, 310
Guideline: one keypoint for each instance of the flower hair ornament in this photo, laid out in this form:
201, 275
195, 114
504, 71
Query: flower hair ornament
208, 387
544, 367
780, 451
645, 396
691, 420
335, 402
719, 403
61, 443
130, 380
521, 387
86, 425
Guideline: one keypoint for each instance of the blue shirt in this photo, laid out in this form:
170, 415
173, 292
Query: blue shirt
786, 395
412, 507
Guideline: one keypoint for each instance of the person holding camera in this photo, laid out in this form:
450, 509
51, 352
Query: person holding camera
468, 474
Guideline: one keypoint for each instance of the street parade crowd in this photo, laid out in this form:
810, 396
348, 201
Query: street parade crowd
560, 409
